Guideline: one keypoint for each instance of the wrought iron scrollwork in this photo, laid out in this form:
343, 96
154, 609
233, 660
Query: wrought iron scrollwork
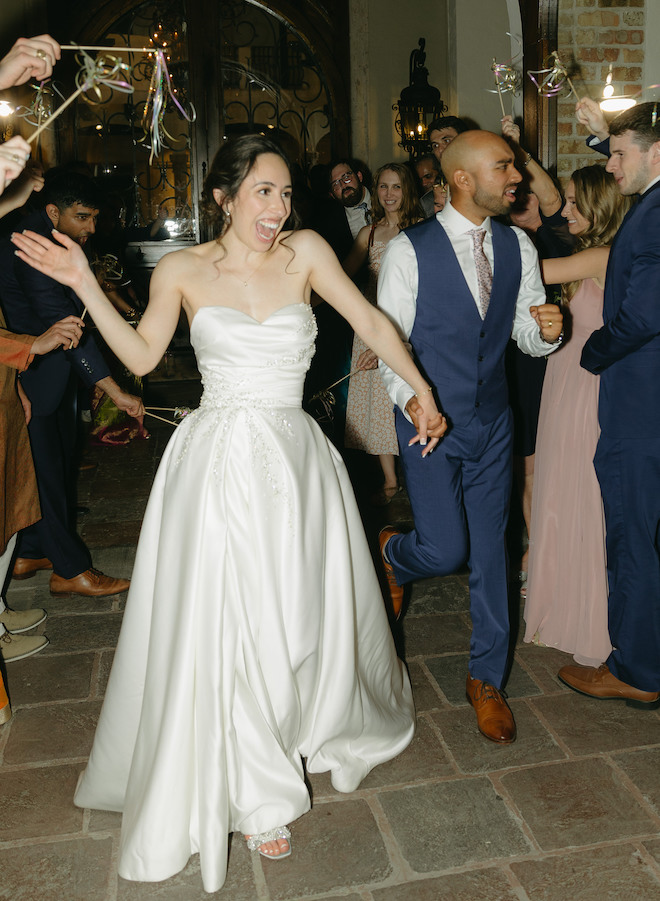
121, 155
264, 55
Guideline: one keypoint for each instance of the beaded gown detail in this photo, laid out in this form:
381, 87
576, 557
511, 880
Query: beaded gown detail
255, 633
567, 582
369, 410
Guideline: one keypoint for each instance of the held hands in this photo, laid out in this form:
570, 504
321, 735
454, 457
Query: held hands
66, 333
549, 320
367, 360
29, 58
430, 424
589, 114
67, 263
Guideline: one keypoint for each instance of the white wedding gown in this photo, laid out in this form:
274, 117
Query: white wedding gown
255, 632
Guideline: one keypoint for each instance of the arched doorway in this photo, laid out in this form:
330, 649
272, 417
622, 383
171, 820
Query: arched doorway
243, 65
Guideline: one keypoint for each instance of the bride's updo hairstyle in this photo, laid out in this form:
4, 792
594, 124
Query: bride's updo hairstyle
228, 171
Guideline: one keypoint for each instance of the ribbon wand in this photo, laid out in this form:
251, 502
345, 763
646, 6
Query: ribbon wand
82, 316
497, 85
60, 109
94, 72
507, 81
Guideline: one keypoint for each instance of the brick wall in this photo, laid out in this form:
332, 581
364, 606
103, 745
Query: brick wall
596, 33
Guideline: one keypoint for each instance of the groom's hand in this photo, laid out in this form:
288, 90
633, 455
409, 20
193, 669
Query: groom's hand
436, 424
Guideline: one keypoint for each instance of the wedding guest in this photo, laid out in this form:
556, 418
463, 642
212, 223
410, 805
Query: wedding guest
566, 604
369, 412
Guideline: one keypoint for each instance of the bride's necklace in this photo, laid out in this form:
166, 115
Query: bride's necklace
246, 281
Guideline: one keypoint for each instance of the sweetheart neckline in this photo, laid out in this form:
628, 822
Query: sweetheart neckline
220, 306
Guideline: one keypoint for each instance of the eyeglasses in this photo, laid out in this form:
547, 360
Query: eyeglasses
343, 179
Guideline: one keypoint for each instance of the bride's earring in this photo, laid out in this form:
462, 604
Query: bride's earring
227, 217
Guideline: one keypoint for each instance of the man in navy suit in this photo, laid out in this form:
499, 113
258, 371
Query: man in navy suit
626, 354
458, 286
32, 302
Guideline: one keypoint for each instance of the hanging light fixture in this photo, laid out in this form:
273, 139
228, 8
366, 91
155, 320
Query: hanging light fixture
611, 103
418, 105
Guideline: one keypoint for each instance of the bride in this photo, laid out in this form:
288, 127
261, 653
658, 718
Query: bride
255, 634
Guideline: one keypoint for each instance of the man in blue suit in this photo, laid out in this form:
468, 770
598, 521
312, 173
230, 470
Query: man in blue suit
626, 354
458, 286
32, 302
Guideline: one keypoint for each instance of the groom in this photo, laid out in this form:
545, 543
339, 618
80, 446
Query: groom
458, 286
626, 352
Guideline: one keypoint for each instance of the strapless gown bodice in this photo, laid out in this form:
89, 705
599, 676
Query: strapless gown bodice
264, 362
255, 634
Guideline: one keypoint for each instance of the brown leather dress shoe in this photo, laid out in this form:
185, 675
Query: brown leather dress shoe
602, 684
91, 583
26, 567
494, 717
396, 591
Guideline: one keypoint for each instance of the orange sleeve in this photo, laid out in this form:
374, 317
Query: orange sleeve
15, 350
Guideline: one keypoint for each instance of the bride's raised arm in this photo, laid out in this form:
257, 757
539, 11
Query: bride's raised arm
139, 349
329, 280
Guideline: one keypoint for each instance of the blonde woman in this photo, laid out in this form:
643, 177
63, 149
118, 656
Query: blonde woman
566, 605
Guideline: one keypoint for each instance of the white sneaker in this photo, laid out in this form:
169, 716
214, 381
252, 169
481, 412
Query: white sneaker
17, 647
17, 621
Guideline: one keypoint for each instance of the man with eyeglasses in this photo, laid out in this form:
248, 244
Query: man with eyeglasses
346, 186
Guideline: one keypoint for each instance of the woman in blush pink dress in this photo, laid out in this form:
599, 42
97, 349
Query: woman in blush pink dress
566, 605
369, 410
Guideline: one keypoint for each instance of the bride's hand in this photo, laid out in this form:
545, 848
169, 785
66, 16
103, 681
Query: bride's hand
431, 425
66, 264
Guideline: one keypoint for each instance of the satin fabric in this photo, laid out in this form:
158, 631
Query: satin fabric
567, 582
255, 632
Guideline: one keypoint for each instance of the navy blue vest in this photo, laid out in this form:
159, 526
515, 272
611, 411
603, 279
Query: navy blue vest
460, 354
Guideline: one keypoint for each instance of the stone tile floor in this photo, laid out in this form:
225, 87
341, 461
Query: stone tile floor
570, 811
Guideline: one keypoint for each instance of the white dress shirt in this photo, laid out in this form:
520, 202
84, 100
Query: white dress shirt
398, 283
357, 215
651, 183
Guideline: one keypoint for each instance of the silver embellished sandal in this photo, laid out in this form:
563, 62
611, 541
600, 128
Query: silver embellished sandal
254, 842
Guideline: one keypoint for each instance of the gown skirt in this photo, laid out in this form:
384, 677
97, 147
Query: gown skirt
255, 634
567, 581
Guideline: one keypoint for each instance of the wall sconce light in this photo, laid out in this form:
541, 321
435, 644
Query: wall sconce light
611, 103
418, 105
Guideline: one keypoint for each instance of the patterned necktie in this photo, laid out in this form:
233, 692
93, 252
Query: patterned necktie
484, 272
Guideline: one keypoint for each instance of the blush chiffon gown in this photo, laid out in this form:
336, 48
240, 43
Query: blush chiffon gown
255, 634
566, 605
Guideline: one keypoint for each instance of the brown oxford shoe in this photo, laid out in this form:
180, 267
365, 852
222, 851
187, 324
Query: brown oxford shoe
494, 717
91, 583
396, 591
602, 684
26, 567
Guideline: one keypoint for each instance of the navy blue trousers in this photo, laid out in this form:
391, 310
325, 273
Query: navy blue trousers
52, 439
629, 474
460, 500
